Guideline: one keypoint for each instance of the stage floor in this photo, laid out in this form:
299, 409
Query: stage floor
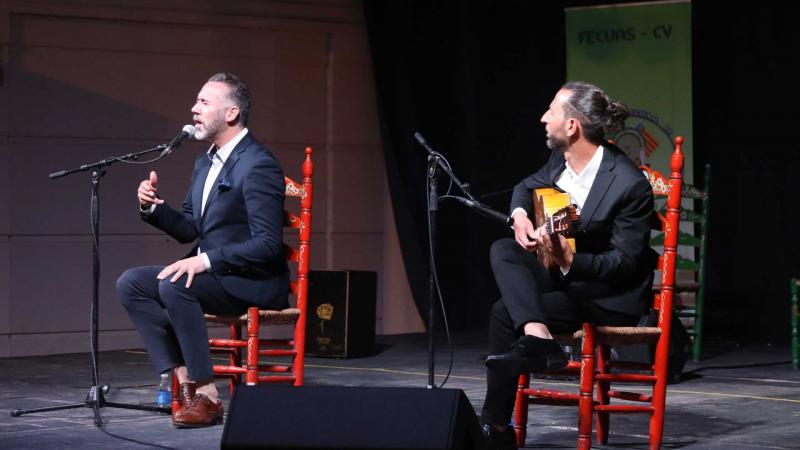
737, 397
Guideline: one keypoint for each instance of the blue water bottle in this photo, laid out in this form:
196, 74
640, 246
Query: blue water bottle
164, 394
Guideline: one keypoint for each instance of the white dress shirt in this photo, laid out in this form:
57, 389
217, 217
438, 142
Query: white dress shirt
576, 185
218, 158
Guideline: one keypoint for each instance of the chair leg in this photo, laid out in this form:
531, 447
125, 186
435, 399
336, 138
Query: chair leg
659, 402
235, 358
175, 388
601, 429
298, 345
659, 388
657, 419
521, 410
586, 402
251, 377
793, 289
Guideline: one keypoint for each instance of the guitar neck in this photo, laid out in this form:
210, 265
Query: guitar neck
562, 221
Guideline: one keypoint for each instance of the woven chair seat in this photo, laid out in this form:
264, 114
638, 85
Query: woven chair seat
620, 335
266, 317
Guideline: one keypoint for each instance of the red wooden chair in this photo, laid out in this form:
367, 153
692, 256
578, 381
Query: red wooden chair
253, 371
689, 301
596, 367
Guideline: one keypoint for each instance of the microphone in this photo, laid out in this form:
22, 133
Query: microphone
485, 210
186, 133
423, 142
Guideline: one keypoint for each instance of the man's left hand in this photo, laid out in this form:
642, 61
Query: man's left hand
188, 266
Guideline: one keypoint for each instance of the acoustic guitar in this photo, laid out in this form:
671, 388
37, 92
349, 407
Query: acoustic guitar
554, 211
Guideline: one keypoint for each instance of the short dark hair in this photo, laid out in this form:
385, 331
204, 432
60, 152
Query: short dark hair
597, 114
239, 94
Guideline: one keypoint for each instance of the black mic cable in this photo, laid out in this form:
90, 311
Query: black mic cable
483, 210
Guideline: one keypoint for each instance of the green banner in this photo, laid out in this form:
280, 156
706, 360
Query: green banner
641, 54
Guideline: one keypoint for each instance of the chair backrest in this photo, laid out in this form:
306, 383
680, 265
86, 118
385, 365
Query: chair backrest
690, 304
662, 301
300, 254
660, 185
670, 222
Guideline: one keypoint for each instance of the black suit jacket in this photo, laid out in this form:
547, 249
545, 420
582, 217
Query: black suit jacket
241, 228
612, 240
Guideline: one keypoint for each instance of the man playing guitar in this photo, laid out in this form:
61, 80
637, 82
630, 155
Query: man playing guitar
606, 280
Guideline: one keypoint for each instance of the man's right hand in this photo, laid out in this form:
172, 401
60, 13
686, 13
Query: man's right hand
524, 232
147, 192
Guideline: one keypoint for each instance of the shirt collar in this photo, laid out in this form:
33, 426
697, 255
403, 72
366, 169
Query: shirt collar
590, 171
226, 149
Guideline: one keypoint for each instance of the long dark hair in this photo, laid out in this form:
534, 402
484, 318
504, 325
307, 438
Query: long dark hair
597, 114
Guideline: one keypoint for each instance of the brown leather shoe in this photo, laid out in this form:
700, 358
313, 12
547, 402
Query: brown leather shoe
200, 412
185, 396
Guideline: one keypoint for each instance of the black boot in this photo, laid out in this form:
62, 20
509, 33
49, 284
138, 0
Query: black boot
529, 354
499, 440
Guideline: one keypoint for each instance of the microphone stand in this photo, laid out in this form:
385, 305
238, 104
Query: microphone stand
433, 206
435, 165
95, 397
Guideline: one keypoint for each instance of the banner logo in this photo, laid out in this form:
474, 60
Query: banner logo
644, 135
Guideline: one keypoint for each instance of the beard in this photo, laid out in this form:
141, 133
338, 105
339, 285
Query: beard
207, 131
556, 143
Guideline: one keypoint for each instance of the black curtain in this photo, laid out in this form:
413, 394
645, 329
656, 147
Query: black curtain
475, 77
745, 115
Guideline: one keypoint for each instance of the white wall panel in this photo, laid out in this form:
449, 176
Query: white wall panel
358, 185
117, 95
354, 102
299, 101
52, 279
61, 206
85, 81
72, 342
399, 313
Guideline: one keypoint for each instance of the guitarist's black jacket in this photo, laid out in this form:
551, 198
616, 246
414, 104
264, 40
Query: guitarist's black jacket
613, 232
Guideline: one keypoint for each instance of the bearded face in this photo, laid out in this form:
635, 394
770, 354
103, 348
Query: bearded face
557, 140
208, 127
209, 111
555, 122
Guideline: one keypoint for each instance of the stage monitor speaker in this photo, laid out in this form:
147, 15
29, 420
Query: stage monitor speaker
339, 417
341, 313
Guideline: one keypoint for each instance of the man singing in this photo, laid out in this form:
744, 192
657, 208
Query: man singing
233, 213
